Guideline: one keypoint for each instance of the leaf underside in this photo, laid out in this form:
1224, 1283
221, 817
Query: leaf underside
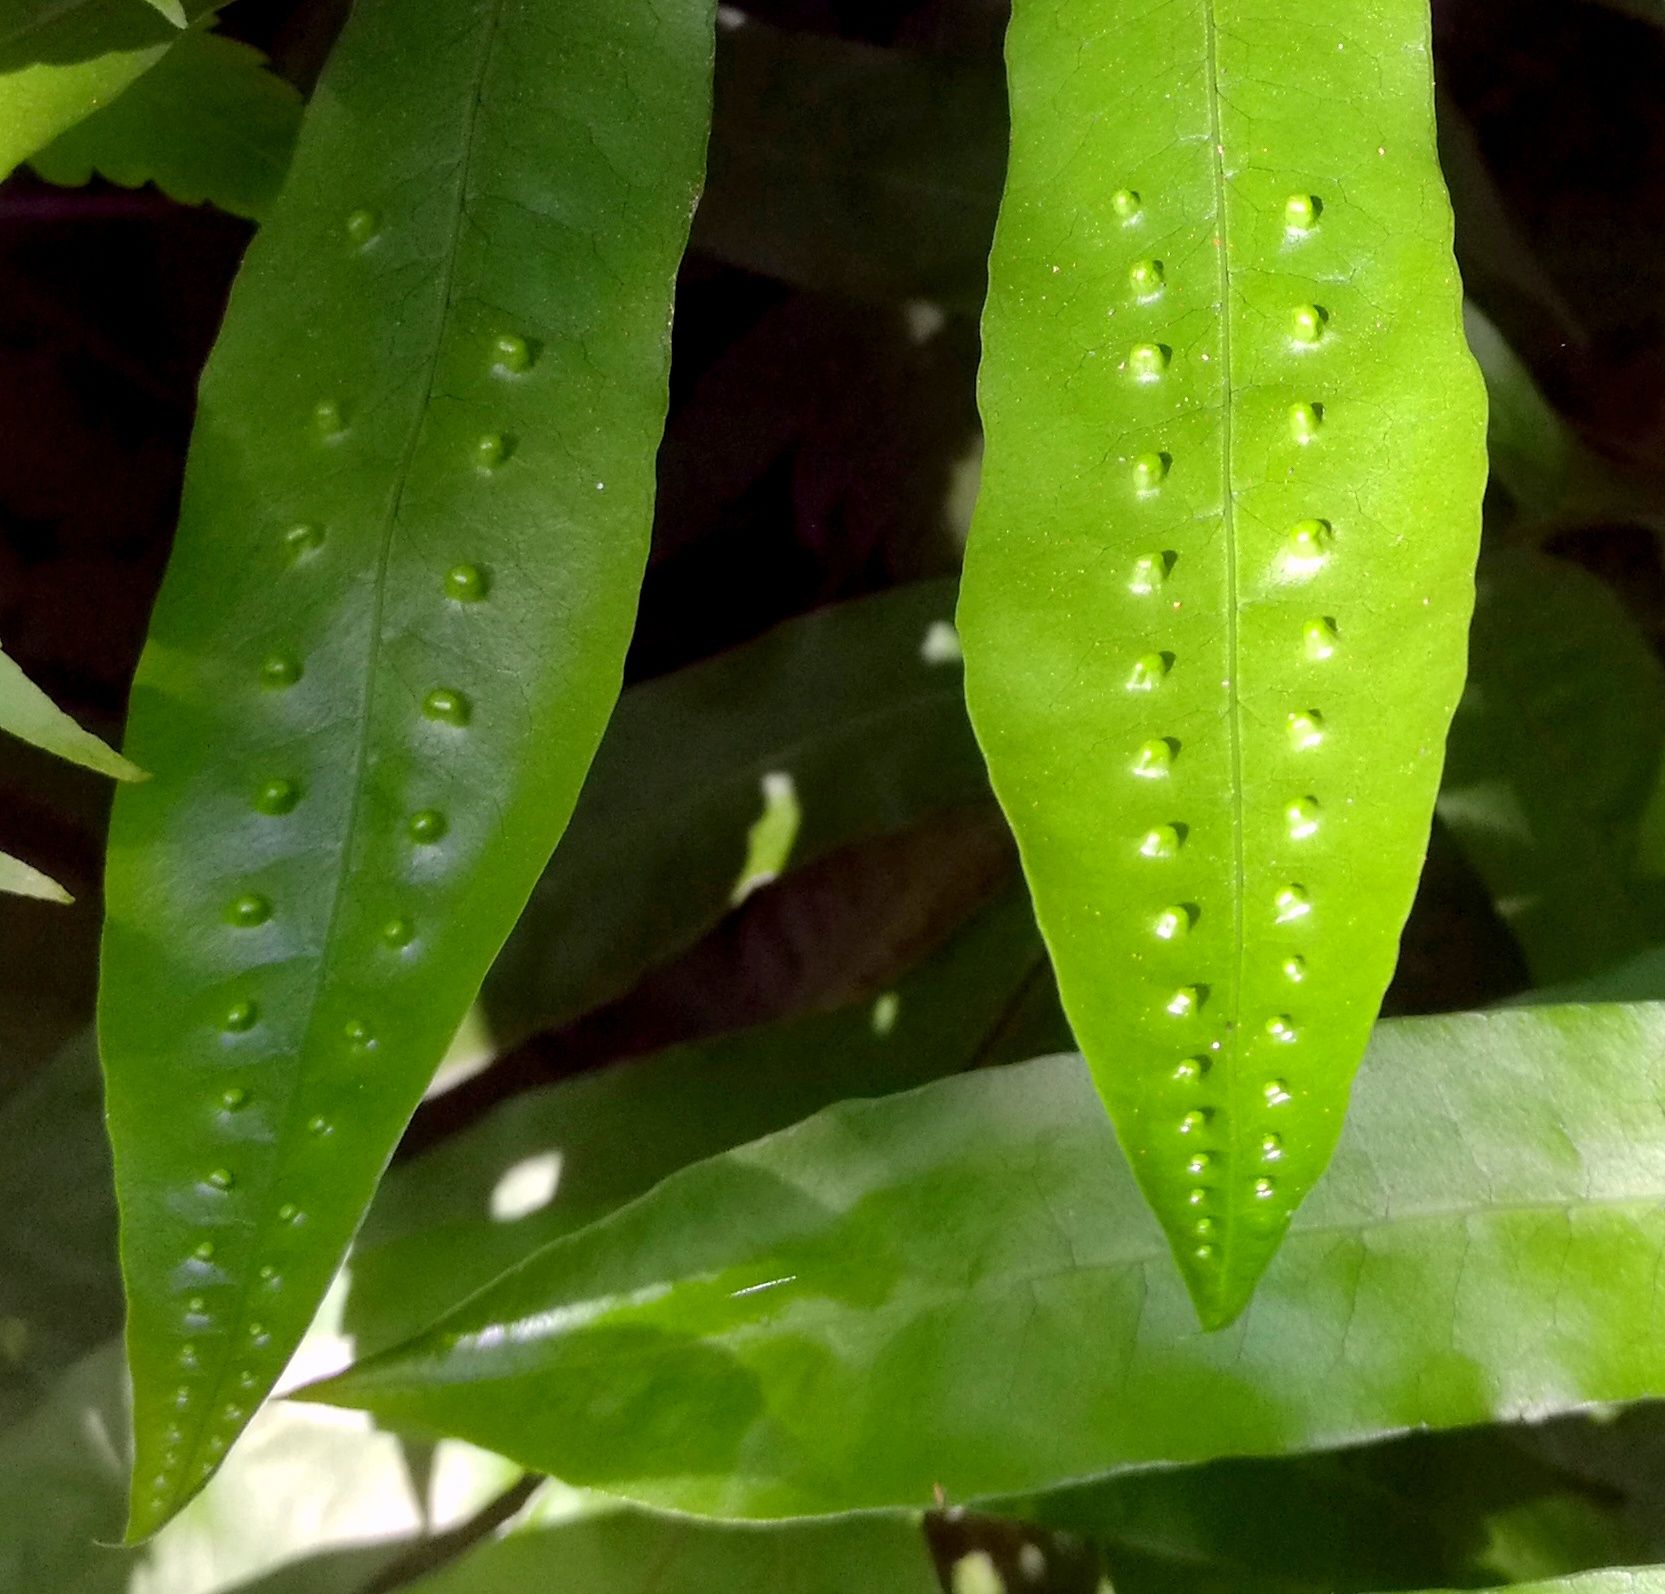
960, 1289
1220, 576
416, 512
61, 60
208, 124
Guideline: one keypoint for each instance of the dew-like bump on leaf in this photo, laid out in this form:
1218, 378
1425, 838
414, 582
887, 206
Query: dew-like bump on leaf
1554, 753
1218, 584
209, 124
440, 1227
896, 1294
302, 1508
415, 515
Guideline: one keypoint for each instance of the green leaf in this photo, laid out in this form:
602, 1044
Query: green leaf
1554, 479
1609, 1580
1533, 451
547, 1163
769, 841
1219, 581
28, 713
1461, 1507
1499, 264
59, 1293
171, 9
631, 1552
61, 60
898, 1294
431, 1232
1638, 979
415, 515
853, 170
1554, 752
208, 125
22, 880
305, 1507
859, 705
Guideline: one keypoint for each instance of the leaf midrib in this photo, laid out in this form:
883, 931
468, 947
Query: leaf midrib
355, 810
1234, 734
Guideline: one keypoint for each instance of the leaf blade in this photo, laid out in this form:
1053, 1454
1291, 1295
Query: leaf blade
436, 1230
914, 1240
656, 842
632, 1552
20, 879
209, 124
60, 63
416, 513
1223, 812
1554, 750
29, 714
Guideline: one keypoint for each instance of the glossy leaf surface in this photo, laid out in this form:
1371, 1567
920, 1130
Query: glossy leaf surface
897, 1294
1555, 750
1217, 589
415, 515
549, 1162
859, 704
209, 124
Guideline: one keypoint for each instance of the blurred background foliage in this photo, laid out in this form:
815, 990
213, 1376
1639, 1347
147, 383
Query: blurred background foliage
822, 448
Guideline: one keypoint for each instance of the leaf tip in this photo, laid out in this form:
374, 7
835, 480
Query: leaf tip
1220, 1283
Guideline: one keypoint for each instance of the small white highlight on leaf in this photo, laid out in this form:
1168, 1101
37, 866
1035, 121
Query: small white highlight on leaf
473, 1048
885, 1011
941, 644
1032, 1562
767, 1284
770, 840
528, 1187
977, 1574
